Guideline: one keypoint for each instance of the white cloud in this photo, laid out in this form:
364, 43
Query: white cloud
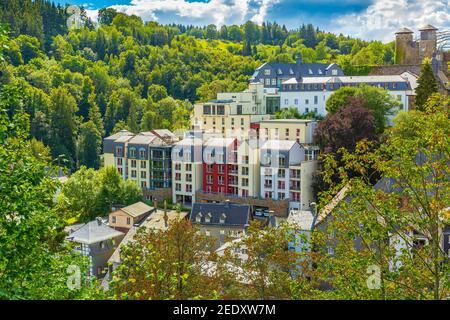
384, 17
218, 12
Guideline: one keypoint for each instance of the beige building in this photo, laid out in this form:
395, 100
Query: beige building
187, 169
300, 130
123, 219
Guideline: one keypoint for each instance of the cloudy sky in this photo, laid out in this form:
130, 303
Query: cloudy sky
369, 19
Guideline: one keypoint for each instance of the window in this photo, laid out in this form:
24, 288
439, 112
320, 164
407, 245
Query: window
334, 72
274, 81
189, 177
177, 176
287, 132
306, 110
232, 121
244, 182
188, 188
242, 121
296, 102
132, 152
133, 173
198, 218
143, 164
281, 161
178, 187
316, 99
281, 185
221, 169
223, 216
267, 72
133, 163
119, 151
221, 180
143, 175
244, 171
281, 173
267, 81
188, 167
143, 184
286, 102
268, 183
119, 161
128, 220
113, 219
307, 101
209, 179
281, 195
142, 153
298, 132
178, 166
208, 218
244, 159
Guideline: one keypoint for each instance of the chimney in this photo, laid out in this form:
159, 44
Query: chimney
166, 217
99, 221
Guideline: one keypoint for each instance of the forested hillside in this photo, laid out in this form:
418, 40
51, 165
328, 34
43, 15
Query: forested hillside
83, 84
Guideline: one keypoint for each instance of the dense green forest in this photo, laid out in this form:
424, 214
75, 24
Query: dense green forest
83, 84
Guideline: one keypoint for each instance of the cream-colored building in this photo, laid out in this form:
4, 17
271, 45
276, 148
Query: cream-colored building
300, 130
187, 169
123, 219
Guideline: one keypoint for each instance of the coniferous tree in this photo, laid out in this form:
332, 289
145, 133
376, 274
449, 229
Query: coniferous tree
427, 85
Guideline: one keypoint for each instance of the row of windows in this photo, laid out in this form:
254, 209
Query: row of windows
188, 187
187, 166
296, 101
332, 86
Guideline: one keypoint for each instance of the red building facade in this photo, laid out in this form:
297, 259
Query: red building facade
220, 168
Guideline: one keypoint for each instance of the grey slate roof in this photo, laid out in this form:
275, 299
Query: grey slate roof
235, 214
93, 232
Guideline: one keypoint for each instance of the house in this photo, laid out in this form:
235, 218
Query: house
144, 158
187, 168
272, 75
124, 218
222, 221
97, 241
157, 220
310, 94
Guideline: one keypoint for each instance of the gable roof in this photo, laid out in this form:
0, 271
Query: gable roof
121, 133
234, 214
138, 209
278, 145
93, 232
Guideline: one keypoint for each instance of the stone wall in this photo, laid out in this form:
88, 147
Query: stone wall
279, 207
396, 69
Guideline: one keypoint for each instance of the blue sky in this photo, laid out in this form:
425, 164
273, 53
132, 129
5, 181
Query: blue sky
369, 19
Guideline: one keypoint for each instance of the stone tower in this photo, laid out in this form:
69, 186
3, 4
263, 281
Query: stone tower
406, 50
427, 42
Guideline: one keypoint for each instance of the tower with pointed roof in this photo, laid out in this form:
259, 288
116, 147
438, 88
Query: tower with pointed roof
427, 42
406, 50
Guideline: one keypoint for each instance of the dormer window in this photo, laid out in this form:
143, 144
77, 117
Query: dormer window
291, 71
223, 216
208, 218
320, 71
198, 218
132, 152
267, 72
310, 71
334, 72
280, 72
